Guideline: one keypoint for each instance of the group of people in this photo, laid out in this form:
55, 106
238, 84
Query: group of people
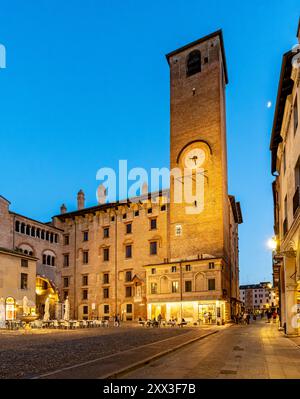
245, 317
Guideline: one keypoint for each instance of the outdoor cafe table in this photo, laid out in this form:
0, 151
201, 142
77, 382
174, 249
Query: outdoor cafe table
14, 324
72, 323
47, 323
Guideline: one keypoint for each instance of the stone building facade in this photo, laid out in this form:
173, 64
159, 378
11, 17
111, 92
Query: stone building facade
258, 297
154, 254
28, 237
285, 147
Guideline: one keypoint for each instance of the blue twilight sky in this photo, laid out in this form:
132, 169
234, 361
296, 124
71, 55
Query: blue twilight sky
87, 84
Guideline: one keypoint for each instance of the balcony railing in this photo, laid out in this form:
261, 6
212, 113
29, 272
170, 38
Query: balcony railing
285, 226
296, 200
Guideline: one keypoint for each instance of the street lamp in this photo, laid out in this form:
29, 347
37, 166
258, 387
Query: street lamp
272, 243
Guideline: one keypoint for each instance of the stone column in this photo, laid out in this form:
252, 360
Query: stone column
291, 309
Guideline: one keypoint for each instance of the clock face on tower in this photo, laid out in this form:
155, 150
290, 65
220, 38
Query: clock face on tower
194, 158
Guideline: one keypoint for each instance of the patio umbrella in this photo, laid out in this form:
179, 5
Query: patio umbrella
26, 309
47, 307
67, 310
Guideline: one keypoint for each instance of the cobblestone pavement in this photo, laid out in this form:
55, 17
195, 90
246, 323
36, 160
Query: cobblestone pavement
257, 350
27, 354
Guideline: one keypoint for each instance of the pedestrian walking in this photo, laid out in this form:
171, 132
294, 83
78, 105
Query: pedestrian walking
274, 316
117, 320
209, 318
269, 316
159, 319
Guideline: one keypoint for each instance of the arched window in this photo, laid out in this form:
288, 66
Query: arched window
47, 235
49, 258
33, 231
38, 233
51, 237
56, 238
193, 63
28, 230
17, 228
43, 234
23, 228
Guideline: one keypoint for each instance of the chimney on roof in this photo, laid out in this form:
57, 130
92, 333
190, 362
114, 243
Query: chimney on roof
101, 194
80, 200
145, 189
63, 209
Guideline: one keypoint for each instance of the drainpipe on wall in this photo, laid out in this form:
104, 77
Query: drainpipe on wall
181, 291
116, 266
75, 270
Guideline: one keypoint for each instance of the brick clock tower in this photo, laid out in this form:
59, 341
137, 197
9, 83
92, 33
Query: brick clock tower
199, 226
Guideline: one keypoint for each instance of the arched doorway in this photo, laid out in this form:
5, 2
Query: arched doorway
45, 289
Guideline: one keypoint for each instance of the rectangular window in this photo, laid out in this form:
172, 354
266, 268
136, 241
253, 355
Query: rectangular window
163, 208
296, 114
178, 230
66, 282
128, 228
106, 254
85, 257
188, 268
66, 239
105, 278
188, 286
175, 286
105, 232
128, 251
66, 260
65, 295
24, 281
150, 210
211, 265
84, 294
128, 276
136, 213
285, 207
128, 292
297, 174
85, 310
153, 224
106, 293
153, 248
153, 270
153, 288
85, 236
24, 262
173, 269
85, 280
106, 309
129, 308
211, 284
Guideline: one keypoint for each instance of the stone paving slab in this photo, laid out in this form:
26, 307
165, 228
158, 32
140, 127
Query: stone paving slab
255, 351
115, 365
